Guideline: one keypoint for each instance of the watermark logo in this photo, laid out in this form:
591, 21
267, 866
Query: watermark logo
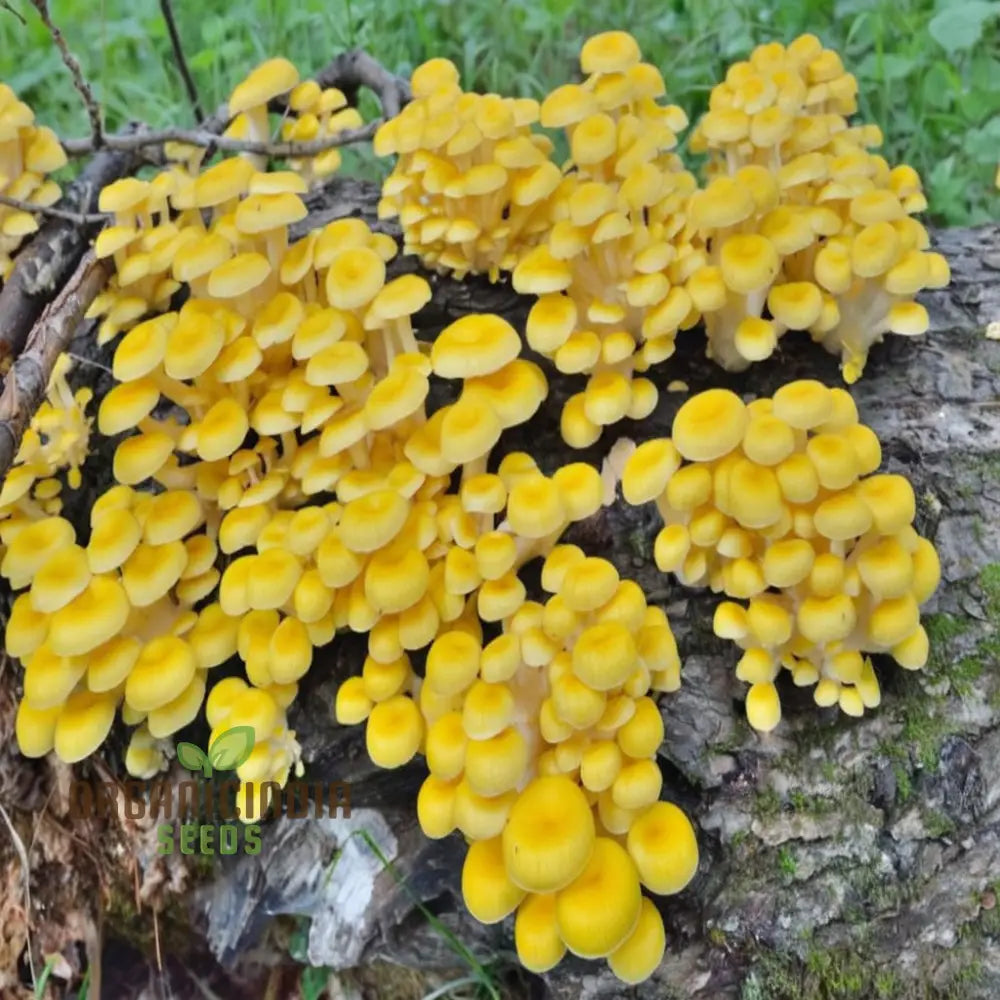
207, 806
228, 751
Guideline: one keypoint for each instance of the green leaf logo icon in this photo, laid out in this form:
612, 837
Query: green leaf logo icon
194, 758
231, 748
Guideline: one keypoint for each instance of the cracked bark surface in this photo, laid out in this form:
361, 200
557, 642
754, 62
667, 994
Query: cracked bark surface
839, 857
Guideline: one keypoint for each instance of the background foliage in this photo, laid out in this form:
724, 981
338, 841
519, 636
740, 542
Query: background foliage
929, 71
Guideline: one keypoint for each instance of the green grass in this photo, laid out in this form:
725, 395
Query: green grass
928, 70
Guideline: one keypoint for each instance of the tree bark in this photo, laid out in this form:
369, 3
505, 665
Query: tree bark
840, 858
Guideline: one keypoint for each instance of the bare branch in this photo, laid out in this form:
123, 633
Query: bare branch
5, 5
25, 385
204, 139
72, 64
182, 66
355, 69
53, 212
349, 72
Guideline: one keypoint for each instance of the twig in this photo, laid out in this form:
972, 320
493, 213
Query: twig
26, 870
349, 71
182, 66
204, 138
79, 80
10, 10
26, 383
78, 218
355, 69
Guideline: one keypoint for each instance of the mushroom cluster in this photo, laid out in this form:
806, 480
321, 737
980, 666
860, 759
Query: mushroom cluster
114, 623
316, 113
610, 275
28, 153
777, 503
471, 180
804, 228
799, 226
541, 744
56, 441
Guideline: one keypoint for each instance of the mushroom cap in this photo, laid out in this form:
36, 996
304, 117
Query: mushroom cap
763, 706
59, 579
142, 348
35, 728
535, 507
172, 515
394, 731
164, 668
552, 319
469, 430
94, 616
604, 656
261, 213
49, 677
636, 958
200, 255
803, 404
549, 836
122, 195
126, 404
268, 80
478, 344
139, 457
181, 711
371, 521
237, 276
82, 724
225, 181
663, 845
26, 628
151, 570
609, 52
649, 469
453, 662
748, 263
403, 296
222, 430
724, 203
536, 933
110, 664
641, 735
600, 909
567, 105
32, 546
709, 425
354, 277
891, 501
496, 764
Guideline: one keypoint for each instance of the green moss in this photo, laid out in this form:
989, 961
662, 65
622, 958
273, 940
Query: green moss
786, 862
853, 972
825, 974
767, 805
904, 783
937, 823
716, 937
989, 581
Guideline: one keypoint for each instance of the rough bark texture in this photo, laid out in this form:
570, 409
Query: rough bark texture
841, 858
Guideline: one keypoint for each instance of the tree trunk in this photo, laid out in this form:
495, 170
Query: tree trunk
840, 858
